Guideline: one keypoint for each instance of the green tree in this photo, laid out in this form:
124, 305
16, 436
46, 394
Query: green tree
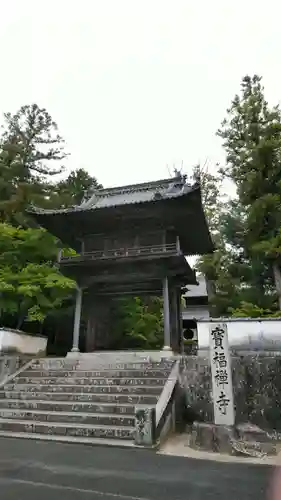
221, 285
30, 284
137, 323
251, 136
72, 190
232, 278
40, 146
30, 149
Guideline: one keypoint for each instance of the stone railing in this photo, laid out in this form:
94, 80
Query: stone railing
152, 424
120, 253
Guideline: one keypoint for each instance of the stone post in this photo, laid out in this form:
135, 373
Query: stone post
145, 426
167, 326
222, 391
77, 318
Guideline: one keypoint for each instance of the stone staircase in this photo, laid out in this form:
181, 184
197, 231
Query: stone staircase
69, 400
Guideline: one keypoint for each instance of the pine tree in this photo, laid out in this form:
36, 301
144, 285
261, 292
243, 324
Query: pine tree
30, 148
72, 190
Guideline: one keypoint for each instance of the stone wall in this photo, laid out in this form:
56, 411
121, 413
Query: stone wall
256, 386
261, 390
196, 381
10, 364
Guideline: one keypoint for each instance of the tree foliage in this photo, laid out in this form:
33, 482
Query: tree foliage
37, 140
30, 283
251, 136
72, 190
31, 148
216, 266
138, 323
245, 268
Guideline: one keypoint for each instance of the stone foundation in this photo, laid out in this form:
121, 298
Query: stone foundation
242, 440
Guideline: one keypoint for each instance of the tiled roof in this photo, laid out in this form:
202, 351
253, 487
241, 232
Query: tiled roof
199, 290
94, 212
132, 194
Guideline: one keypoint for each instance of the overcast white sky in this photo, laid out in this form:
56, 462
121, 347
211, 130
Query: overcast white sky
136, 85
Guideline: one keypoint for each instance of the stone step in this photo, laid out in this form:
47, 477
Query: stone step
95, 389
88, 364
88, 407
133, 374
90, 381
120, 443
89, 397
81, 430
126, 357
113, 420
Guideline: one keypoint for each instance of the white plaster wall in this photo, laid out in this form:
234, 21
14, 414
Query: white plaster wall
245, 334
1, 337
21, 342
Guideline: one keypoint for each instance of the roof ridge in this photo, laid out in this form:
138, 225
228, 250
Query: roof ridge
138, 187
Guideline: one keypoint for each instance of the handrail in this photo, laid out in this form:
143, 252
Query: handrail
120, 252
167, 392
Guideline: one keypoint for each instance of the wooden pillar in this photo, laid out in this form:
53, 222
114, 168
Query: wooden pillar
174, 319
176, 327
77, 319
59, 255
166, 306
178, 245
180, 326
164, 239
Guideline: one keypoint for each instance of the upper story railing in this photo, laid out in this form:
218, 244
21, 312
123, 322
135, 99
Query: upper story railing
164, 249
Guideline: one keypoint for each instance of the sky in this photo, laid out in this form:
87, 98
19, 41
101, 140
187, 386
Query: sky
137, 87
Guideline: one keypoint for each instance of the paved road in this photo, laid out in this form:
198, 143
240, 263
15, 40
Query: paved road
36, 470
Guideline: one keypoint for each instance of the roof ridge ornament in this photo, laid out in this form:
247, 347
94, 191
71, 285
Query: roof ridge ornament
157, 195
180, 176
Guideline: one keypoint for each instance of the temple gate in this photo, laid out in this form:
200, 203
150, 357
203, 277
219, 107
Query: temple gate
130, 240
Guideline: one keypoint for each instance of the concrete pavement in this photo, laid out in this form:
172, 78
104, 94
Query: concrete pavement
42, 470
